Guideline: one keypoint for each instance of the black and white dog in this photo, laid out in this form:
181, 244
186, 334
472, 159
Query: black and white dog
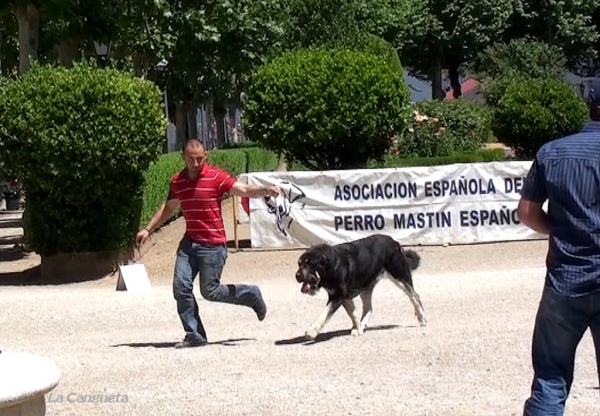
350, 269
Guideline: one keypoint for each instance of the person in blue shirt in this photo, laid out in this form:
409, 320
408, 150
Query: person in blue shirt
566, 173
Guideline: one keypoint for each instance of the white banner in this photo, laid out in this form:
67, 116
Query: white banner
455, 204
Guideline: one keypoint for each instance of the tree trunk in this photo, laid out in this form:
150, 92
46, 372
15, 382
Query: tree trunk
68, 50
454, 81
221, 136
219, 111
233, 122
140, 66
181, 123
28, 19
192, 122
437, 91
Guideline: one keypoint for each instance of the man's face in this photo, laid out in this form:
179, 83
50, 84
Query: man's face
194, 159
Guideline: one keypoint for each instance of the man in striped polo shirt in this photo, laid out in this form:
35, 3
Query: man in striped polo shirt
566, 173
199, 189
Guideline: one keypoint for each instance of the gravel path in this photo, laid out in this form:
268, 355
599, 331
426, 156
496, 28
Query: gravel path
473, 358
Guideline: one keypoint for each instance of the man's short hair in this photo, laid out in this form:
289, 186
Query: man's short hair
192, 144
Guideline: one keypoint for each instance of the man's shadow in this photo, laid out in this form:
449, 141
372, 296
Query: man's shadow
326, 336
227, 342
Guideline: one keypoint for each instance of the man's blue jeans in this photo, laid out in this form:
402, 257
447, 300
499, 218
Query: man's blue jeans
559, 326
207, 261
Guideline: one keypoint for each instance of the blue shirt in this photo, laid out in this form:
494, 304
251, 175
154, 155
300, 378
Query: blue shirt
566, 172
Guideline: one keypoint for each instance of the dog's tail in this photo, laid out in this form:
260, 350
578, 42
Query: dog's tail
412, 258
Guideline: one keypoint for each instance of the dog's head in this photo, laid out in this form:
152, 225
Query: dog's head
313, 265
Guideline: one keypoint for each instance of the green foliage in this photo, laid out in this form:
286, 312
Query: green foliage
467, 126
233, 161
381, 48
501, 63
156, 185
312, 23
238, 145
451, 32
9, 43
81, 139
260, 160
243, 159
532, 112
402, 23
397, 161
326, 108
565, 23
487, 155
527, 56
425, 137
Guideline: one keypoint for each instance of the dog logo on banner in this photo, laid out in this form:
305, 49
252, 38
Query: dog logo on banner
281, 206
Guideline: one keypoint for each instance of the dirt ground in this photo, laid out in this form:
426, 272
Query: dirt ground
473, 357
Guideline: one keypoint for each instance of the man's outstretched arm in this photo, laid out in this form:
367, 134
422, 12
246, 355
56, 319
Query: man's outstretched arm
252, 191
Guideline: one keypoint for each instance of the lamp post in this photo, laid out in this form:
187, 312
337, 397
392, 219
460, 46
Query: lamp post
102, 50
161, 67
1, 33
171, 133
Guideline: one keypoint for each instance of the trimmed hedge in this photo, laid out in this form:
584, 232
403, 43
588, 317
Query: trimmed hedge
397, 161
156, 186
488, 155
235, 160
534, 111
80, 139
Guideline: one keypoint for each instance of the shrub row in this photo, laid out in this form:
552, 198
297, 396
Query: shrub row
397, 161
236, 160
487, 155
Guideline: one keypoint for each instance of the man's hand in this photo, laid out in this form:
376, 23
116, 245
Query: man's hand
141, 237
273, 191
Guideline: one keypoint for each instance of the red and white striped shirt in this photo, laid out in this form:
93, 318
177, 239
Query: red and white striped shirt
200, 201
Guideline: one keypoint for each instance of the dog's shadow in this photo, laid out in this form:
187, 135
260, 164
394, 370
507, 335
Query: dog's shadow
227, 342
326, 336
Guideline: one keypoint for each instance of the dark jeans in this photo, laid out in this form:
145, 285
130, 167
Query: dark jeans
207, 261
559, 326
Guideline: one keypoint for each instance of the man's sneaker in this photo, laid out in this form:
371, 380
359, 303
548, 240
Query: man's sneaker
188, 343
260, 307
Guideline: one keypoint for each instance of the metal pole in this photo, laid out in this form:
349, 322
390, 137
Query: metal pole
1, 33
166, 104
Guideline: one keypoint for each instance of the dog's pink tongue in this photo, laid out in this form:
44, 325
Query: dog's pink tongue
305, 287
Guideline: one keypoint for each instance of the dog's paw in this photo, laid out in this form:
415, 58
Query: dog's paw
357, 331
422, 320
311, 334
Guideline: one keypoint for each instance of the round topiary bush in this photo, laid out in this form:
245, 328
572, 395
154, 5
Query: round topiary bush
533, 111
81, 140
327, 108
